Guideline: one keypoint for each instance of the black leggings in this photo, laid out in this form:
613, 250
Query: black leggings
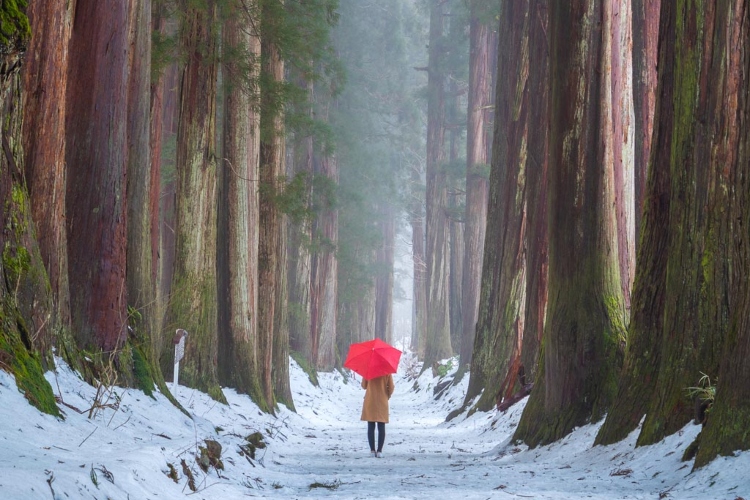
371, 435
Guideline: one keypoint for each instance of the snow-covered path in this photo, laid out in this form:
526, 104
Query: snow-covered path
145, 448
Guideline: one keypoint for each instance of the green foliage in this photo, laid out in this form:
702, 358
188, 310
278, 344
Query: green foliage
14, 25
705, 391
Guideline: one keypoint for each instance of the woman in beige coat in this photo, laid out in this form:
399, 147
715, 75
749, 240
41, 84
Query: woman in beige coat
375, 409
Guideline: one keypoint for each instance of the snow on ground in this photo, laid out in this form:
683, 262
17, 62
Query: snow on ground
321, 451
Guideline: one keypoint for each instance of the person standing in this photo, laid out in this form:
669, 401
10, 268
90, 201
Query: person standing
375, 409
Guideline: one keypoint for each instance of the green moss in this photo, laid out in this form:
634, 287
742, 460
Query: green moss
26, 368
14, 25
141, 373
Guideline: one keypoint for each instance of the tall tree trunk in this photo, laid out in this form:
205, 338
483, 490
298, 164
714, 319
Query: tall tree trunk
455, 199
44, 91
166, 159
157, 93
536, 188
419, 283
142, 193
97, 158
238, 216
437, 344
643, 354
586, 311
703, 148
497, 345
271, 169
300, 257
478, 119
384, 279
26, 299
621, 95
280, 368
193, 298
645, 55
726, 425
324, 277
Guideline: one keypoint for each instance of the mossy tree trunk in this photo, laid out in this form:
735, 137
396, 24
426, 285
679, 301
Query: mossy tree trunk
437, 324
193, 298
26, 298
141, 193
44, 90
586, 312
726, 429
502, 301
536, 188
702, 148
97, 158
643, 351
475, 219
238, 212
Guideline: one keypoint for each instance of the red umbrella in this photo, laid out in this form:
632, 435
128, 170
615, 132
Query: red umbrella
372, 359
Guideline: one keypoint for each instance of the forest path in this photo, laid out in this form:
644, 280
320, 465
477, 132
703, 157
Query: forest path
422, 457
324, 453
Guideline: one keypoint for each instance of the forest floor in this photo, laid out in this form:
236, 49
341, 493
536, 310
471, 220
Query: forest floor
131, 447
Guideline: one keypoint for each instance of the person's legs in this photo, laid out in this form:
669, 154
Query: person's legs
381, 436
371, 435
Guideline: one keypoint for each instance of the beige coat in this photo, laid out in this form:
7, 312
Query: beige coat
378, 392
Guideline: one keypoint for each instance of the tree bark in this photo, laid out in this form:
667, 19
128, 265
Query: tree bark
702, 151
300, 258
280, 367
497, 344
419, 291
437, 344
620, 42
271, 168
45, 80
238, 216
324, 277
97, 158
193, 298
142, 192
726, 426
26, 299
475, 219
586, 312
536, 188
384, 279
645, 55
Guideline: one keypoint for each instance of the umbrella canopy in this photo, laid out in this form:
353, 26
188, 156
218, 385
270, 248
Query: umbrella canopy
372, 359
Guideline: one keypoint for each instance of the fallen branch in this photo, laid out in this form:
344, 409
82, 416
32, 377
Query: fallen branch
92, 432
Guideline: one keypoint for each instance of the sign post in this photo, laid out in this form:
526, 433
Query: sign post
179, 353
